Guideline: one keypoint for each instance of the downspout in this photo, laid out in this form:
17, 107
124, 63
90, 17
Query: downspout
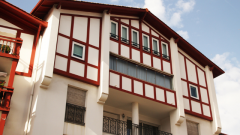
33, 84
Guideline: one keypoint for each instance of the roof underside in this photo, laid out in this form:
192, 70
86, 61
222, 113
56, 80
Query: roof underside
43, 6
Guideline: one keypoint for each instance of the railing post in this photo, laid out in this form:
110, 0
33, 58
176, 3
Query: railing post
18, 46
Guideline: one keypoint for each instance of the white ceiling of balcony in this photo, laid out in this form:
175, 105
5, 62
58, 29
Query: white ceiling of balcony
5, 65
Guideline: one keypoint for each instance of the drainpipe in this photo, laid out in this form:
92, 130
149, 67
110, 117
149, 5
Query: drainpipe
33, 84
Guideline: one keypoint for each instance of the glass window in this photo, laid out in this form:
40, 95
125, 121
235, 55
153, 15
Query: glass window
132, 70
155, 46
134, 34
141, 73
78, 51
113, 63
124, 32
151, 76
113, 28
122, 66
164, 51
193, 90
145, 41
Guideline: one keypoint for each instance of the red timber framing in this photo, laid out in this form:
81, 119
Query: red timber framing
28, 24
143, 83
87, 45
199, 93
160, 39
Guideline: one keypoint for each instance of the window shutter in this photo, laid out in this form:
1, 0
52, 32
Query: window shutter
192, 128
164, 49
76, 96
145, 41
155, 48
124, 32
113, 28
134, 37
78, 51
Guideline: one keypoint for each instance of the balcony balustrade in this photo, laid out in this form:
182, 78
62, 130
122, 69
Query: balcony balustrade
118, 127
5, 97
10, 47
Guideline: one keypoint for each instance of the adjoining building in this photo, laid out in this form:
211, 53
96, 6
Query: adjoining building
82, 68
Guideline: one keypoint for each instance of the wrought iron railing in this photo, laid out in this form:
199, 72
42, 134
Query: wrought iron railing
165, 56
75, 114
114, 36
10, 45
118, 127
125, 40
5, 97
156, 53
146, 49
134, 44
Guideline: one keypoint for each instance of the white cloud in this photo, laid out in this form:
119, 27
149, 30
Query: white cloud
184, 34
228, 92
114, 1
171, 16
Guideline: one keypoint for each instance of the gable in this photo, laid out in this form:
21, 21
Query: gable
8, 24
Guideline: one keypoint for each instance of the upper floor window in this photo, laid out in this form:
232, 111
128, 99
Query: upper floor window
165, 51
194, 91
135, 38
75, 106
155, 47
124, 34
146, 43
140, 72
78, 51
192, 128
114, 30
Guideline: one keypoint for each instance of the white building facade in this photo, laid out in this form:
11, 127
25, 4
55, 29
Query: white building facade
105, 69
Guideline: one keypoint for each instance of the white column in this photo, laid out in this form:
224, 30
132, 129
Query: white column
216, 123
103, 89
177, 117
135, 117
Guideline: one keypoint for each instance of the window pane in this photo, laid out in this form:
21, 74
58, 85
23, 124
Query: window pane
155, 48
141, 73
160, 79
151, 76
164, 49
132, 70
124, 32
113, 28
193, 91
145, 41
168, 82
78, 51
134, 37
122, 66
113, 63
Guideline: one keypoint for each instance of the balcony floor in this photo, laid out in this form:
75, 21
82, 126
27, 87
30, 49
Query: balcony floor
123, 100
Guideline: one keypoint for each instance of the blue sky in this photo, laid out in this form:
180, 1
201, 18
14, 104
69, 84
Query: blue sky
213, 27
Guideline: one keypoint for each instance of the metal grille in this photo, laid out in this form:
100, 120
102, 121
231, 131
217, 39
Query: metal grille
192, 128
74, 114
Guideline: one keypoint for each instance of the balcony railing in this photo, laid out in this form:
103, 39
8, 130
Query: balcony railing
114, 36
124, 40
10, 45
118, 127
146, 49
134, 44
75, 114
165, 56
156, 53
5, 97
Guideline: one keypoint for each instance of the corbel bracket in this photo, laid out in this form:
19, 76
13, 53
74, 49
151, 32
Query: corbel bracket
211, 68
109, 11
176, 40
59, 4
144, 15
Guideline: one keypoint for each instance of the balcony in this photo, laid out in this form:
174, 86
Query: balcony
10, 47
118, 127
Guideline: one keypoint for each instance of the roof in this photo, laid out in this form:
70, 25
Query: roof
43, 6
19, 16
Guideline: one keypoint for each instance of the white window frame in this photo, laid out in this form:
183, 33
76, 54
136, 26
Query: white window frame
116, 27
157, 44
191, 91
122, 32
137, 35
166, 47
83, 55
143, 40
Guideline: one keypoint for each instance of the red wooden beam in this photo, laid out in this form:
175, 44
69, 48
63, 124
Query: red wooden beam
211, 68
59, 4
144, 15
109, 11
176, 40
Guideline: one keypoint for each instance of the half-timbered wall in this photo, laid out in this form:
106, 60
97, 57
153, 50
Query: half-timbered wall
193, 74
138, 54
83, 30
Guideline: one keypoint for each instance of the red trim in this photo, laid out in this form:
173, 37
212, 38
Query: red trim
198, 115
143, 83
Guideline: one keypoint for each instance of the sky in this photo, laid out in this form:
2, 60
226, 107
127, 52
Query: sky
211, 26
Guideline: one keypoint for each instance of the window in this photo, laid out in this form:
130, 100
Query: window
75, 106
140, 72
78, 51
192, 128
194, 91
145, 43
135, 38
114, 30
165, 51
125, 34
155, 47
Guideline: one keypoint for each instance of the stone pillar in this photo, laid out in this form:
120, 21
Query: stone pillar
135, 117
